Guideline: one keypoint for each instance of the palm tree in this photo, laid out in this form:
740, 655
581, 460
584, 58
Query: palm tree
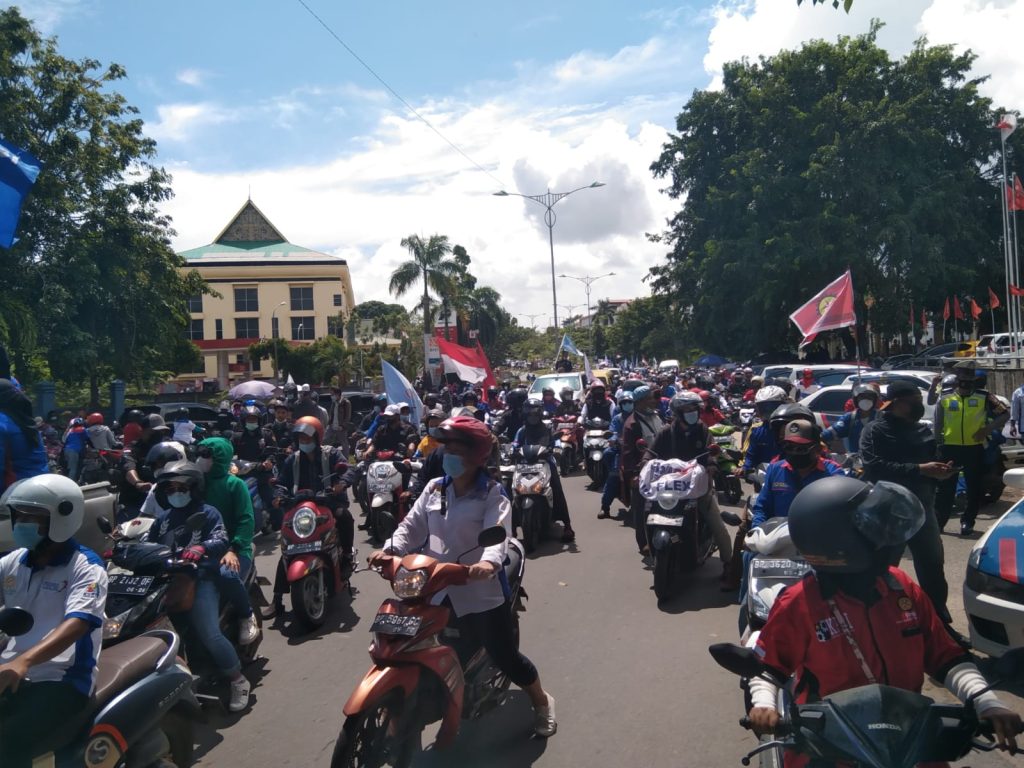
429, 264
483, 309
604, 314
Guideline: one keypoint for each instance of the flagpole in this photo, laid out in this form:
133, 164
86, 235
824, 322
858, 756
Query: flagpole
1016, 255
1011, 319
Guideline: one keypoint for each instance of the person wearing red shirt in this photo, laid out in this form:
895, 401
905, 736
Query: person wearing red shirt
854, 620
709, 415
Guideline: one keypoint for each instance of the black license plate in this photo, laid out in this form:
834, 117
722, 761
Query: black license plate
393, 624
299, 549
127, 584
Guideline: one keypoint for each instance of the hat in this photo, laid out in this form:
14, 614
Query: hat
392, 410
800, 431
901, 388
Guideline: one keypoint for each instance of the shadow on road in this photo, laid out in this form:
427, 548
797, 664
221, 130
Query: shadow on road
697, 591
216, 716
341, 617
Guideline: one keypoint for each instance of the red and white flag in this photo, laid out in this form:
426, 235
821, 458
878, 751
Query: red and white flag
468, 364
831, 308
1007, 125
1015, 195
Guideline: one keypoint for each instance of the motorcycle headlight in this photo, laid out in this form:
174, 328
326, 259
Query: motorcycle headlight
409, 583
761, 608
304, 523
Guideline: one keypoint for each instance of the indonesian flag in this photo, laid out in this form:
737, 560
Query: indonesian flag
1015, 291
468, 364
830, 309
993, 300
975, 309
1007, 125
958, 311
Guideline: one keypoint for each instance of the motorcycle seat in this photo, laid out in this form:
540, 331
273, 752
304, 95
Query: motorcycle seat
124, 664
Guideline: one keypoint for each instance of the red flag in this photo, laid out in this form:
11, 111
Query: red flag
993, 300
975, 309
468, 364
831, 308
1018, 194
1015, 291
958, 311
945, 310
924, 320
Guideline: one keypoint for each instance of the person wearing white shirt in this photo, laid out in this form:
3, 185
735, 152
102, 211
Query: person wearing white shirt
1017, 412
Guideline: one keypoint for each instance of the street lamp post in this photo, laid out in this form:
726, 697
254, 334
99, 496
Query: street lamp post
548, 200
569, 308
587, 281
274, 335
532, 318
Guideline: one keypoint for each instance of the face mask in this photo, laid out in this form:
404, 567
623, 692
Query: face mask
965, 386
865, 404
801, 460
691, 417
376, 409
627, 407
407, 418
916, 411
205, 465
179, 500
453, 466
251, 427
307, 447
27, 535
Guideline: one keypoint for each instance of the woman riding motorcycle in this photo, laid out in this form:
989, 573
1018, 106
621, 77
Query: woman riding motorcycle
452, 512
534, 432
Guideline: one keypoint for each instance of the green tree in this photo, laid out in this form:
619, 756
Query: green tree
92, 284
847, 4
816, 160
429, 264
648, 326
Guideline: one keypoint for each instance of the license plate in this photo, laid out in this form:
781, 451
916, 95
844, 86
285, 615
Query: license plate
127, 584
656, 519
779, 568
393, 624
298, 549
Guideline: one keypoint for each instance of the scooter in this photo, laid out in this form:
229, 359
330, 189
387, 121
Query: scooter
873, 726
252, 472
566, 445
775, 565
727, 458
141, 711
416, 678
386, 479
595, 442
533, 499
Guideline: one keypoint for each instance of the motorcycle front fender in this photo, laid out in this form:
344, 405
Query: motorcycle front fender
380, 500
661, 539
302, 566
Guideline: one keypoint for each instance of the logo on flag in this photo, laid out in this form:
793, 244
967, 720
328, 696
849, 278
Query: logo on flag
832, 308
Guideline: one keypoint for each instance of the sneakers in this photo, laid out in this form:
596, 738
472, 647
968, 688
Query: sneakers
568, 535
966, 529
239, 695
544, 723
248, 630
603, 514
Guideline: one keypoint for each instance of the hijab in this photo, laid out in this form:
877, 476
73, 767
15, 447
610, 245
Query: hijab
18, 409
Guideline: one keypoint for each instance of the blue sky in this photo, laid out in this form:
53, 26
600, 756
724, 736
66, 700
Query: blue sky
257, 96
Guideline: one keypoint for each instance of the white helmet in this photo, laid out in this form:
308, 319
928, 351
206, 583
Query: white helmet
770, 394
56, 495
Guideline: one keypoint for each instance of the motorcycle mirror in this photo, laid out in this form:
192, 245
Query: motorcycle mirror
731, 518
489, 537
104, 525
736, 659
196, 521
15, 621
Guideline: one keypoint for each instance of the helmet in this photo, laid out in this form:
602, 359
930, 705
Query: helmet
94, 418
757, 381
547, 391
533, 412
626, 397
770, 394
566, 394
685, 401
134, 416
56, 495
381, 400
470, 432
76, 422
162, 454
515, 399
251, 410
788, 412
949, 380
493, 391
470, 396
155, 421
180, 472
641, 393
309, 425
839, 523
865, 390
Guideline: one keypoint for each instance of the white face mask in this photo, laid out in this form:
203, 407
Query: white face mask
205, 465
179, 500
865, 403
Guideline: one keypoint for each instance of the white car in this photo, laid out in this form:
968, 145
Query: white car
993, 592
829, 403
922, 379
557, 381
827, 374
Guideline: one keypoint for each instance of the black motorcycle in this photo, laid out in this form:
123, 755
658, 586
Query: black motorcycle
680, 541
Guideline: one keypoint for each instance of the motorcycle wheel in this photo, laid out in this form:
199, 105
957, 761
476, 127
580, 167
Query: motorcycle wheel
662, 574
733, 490
531, 530
364, 741
385, 525
309, 600
179, 732
600, 475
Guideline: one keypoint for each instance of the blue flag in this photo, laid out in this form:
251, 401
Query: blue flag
399, 390
568, 346
18, 172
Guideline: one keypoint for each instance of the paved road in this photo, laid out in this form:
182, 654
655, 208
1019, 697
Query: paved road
634, 683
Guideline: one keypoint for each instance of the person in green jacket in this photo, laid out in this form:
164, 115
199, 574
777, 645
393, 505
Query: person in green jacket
230, 495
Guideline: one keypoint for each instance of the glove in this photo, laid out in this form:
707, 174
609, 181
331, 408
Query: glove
194, 553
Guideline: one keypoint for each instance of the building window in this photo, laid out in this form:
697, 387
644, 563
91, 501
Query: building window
303, 328
337, 299
195, 304
335, 326
219, 327
240, 359
195, 330
246, 300
247, 327
275, 329
302, 298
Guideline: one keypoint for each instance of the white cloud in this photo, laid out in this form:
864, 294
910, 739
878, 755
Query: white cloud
179, 122
191, 76
48, 14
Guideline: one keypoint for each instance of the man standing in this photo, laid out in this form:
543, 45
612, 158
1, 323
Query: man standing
338, 420
963, 421
563, 365
898, 448
1017, 412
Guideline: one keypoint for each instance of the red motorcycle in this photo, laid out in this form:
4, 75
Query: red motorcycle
416, 679
568, 438
315, 566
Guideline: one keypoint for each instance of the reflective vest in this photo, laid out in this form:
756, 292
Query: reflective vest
962, 417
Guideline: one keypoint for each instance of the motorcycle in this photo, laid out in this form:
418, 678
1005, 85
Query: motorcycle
252, 473
101, 466
873, 726
595, 442
506, 466
386, 479
679, 538
533, 499
142, 707
566, 444
727, 458
417, 679
315, 565
776, 564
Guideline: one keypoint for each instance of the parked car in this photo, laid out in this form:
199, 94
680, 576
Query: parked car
576, 381
829, 403
933, 356
923, 379
100, 500
892, 362
202, 415
777, 371
826, 374
997, 344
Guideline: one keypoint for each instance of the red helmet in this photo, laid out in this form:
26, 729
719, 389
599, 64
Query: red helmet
311, 426
469, 431
94, 418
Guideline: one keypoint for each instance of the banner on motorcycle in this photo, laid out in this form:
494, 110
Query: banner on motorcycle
682, 479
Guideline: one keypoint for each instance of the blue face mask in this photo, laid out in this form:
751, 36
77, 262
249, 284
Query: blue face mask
407, 418
27, 535
627, 407
179, 500
307, 447
453, 466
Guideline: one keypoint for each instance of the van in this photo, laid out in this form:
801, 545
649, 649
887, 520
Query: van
668, 365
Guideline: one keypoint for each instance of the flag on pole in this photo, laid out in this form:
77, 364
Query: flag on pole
945, 310
18, 172
1007, 125
830, 309
1015, 195
958, 311
975, 309
568, 346
399, 390
1015, 291
587, 369
468, 364
993, 300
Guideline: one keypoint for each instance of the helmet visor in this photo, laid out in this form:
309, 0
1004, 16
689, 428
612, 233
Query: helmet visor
889, 515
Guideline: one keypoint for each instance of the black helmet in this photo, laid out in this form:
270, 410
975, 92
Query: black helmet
788, 412
840, 523
533, 412
381, 400
164, 453
180, 472
566, 394
515, 399
547, 391
134, 416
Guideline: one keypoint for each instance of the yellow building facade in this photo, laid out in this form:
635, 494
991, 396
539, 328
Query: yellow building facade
269, 288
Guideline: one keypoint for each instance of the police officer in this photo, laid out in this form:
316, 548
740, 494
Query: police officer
963, 421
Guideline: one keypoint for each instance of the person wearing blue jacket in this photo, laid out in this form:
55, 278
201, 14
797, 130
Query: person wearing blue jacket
21, 448
850, 425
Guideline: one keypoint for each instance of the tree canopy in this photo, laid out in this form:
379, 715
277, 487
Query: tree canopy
819, 159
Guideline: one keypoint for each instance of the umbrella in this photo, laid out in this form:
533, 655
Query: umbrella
260, 389
711, 360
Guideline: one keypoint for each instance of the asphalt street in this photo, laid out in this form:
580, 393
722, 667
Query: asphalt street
633, 682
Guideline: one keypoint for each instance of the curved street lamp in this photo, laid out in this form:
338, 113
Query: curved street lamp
587, 281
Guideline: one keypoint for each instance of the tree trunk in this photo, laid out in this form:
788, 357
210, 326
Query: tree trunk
426, 306
444, 309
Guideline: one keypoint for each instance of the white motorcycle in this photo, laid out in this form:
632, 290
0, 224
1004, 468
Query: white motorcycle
533, 499
386, 480
775, 565
595, 441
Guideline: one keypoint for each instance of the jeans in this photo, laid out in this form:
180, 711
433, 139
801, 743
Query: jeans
612, 482
232, 585
205, 620
972, 459
30, 720
74, 460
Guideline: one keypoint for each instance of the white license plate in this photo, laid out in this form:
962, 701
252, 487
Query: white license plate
298, 549
128, 584
656, 519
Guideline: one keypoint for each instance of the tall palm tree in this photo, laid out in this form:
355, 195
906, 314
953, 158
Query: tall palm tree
430, 264
484, 311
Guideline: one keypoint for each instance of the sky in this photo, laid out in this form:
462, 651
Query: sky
254, 97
